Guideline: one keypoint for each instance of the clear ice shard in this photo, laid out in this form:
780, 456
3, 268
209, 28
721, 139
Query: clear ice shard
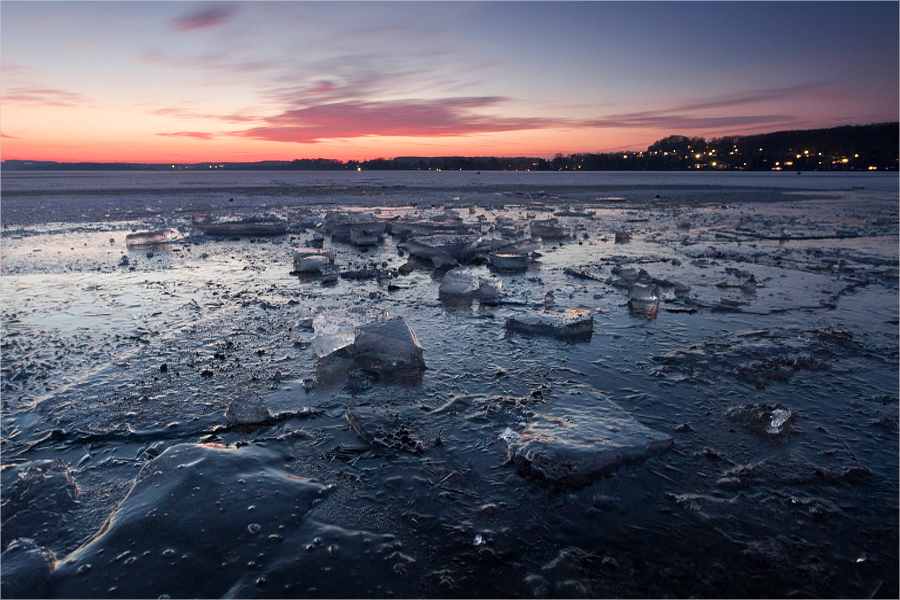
458, 282
573, 443
489, 290
644, 294
336, 329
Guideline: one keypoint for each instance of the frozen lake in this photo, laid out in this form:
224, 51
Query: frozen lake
764, 374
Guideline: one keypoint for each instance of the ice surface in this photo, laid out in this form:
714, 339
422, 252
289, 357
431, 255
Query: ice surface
387, 427
244, 411
186, 528
579, 438
25, 570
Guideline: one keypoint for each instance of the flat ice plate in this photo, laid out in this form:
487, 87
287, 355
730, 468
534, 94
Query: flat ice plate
575, 441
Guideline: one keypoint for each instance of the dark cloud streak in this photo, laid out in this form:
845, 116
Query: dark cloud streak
208, 17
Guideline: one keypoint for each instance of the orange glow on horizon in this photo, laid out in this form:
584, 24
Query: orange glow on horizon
165, 149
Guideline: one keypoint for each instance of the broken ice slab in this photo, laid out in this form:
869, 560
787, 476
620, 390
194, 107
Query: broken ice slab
456, 247
360, 236
311, 260
458, 283
749, 286
509, 262
405, 228
573, 443
550, 229
149, 239
622, 237
572, 324
250, 226
341, 225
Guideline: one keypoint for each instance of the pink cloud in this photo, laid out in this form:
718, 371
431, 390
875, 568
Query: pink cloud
324, 87
427, 118
208, 17
41, 96
9, 137
200, 135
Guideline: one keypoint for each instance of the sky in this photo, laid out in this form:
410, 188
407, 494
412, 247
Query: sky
245, 81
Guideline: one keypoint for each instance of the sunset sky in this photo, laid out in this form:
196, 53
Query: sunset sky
221, 81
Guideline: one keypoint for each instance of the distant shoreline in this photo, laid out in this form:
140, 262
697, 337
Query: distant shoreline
858, 148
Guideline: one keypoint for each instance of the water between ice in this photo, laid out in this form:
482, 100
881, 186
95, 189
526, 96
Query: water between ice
781, 404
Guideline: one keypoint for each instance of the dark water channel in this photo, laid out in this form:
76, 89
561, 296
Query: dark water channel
122, 473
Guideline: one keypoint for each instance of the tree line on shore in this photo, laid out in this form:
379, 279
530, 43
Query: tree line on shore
846, 148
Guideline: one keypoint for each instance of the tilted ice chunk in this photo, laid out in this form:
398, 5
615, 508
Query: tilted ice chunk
509, 262
310, 260
366, 339
261, 226
387, 346
574, 443
550, 228
749, 286
458, 282
575, 323
144, 239
521, 247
